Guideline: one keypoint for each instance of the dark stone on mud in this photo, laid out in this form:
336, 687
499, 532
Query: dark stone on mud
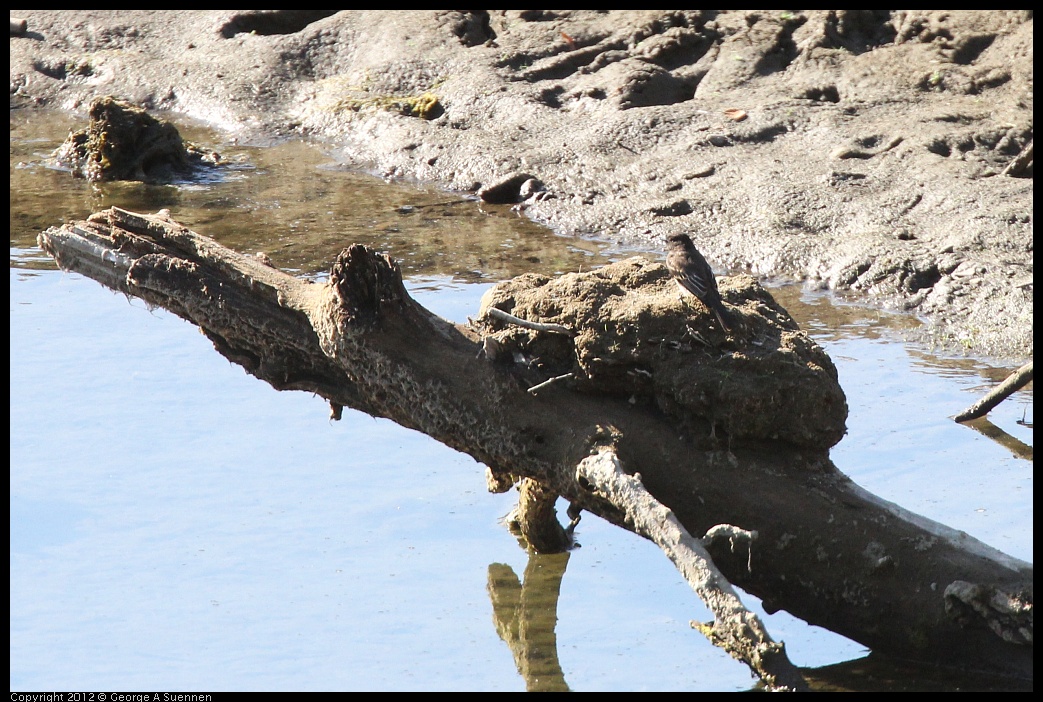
505, 191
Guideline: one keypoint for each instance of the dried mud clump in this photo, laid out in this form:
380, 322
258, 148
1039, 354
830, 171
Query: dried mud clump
124, 142
636, 337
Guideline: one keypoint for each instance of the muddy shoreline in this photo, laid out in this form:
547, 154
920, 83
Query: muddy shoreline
866, 151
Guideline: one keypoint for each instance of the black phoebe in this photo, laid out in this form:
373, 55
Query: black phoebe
694, 275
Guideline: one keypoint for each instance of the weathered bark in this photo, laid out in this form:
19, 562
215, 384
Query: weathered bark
827, 551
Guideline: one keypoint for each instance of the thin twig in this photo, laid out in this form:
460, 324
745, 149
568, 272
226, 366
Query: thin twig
537, 326
549, 381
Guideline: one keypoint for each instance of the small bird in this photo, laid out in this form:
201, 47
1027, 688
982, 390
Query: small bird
694, 275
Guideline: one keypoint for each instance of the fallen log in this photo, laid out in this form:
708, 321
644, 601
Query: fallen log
653, 383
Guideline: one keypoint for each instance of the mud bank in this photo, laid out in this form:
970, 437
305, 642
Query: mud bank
869, 151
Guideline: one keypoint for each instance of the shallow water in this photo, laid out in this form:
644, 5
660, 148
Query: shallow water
178, 525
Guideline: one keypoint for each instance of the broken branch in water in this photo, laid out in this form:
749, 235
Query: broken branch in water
1014, 382
737, 630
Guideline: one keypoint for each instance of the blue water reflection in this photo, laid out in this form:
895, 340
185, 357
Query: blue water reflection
226, 536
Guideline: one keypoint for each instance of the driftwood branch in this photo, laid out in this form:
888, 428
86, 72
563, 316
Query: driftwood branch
1014, 382
714, 441
735, 629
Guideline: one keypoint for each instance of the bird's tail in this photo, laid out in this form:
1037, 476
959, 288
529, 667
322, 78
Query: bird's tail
724, 317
